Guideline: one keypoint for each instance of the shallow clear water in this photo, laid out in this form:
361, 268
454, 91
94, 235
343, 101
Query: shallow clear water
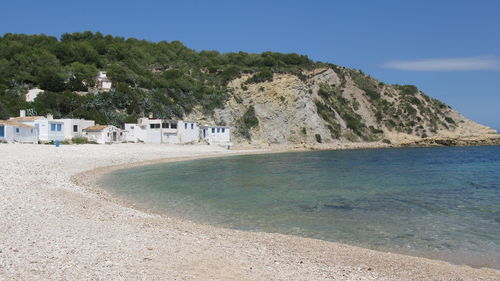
435, 202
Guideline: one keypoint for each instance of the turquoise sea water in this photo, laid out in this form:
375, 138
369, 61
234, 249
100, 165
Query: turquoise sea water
435, 202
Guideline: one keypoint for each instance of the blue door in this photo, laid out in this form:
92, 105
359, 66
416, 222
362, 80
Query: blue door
2, 131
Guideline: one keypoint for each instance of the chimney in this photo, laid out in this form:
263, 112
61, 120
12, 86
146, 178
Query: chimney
50, 116
150, 115
22, 113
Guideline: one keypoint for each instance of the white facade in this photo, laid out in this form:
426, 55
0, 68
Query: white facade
159, 131
74, 127
48, 129
103, 83
32, 94
104, 134
216, 134
11, 131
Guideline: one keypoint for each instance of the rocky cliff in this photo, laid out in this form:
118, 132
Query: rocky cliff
332, 105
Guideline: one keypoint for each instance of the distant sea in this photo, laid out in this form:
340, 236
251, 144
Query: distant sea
441, 203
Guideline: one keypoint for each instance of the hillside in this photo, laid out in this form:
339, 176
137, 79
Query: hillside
268, 98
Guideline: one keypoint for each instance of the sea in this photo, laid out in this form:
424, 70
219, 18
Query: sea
440, 203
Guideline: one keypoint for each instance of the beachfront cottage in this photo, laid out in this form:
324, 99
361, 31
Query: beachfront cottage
104, 134
154, 130
74, 127
216, 134
11, 131
48, 128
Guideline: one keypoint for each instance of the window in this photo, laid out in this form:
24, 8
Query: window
192, 126
131, 127
218, 130
185, 125
213, 130
17, 130
173, 125
53, 127
2, 131
154, 126
75, 128
164, 125
59, 127
223, 130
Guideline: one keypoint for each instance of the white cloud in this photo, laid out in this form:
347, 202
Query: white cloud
449, 64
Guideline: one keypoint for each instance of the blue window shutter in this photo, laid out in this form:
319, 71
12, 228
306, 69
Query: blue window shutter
2, 131
17, 130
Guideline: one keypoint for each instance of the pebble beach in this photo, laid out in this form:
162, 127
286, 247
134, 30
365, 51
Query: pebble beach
55, 224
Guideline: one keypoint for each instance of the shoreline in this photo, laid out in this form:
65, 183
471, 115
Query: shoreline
190, 251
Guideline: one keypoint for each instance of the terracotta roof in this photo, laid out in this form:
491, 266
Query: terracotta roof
27, 118
96, 128
13, 123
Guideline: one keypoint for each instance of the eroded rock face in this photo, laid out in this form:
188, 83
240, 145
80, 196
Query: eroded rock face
338, 106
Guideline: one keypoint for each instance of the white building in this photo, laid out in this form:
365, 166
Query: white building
103, 83
104, 134
151, 130
216, 134
32, 94
74, 127
49, 129
11, 131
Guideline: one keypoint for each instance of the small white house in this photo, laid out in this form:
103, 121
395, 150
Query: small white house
152, 130
103, 83
48, 128
104, 134
32, 94
216, 134
74, 127
11, 131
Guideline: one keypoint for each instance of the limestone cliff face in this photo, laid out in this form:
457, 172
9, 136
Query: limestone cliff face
336, 105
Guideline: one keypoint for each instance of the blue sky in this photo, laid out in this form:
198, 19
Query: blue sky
449, 49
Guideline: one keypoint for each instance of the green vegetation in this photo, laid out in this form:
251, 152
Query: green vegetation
262, 76
318, 138
82, 140
333, 101
164, 78
247, 122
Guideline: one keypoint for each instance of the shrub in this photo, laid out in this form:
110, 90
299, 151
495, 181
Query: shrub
247, 122
449, 120
264, 75
82, 140
318, 138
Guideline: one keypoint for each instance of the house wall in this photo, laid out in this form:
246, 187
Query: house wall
22, 134
47, 132
106, 135
134, 132
173, 133
188, 132
81, 124
216, 134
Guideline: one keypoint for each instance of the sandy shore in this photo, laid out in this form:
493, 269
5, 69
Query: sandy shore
54, 229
